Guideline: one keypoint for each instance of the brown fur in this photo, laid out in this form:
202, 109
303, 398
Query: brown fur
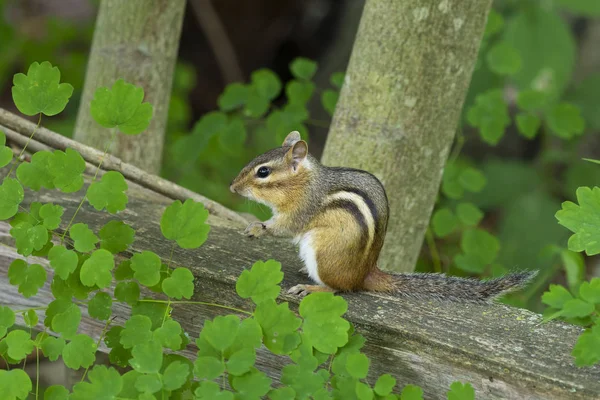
346, 212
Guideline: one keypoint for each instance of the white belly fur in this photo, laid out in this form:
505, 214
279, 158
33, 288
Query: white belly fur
308, 255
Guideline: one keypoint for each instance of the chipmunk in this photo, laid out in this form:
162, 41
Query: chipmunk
338, 217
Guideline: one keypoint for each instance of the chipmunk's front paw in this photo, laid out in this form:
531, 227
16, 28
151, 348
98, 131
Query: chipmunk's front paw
255, 229
303, 290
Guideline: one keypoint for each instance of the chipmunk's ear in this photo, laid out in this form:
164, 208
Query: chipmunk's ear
291, 138
297, 154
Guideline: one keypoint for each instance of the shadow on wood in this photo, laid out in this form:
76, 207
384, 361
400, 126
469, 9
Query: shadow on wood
503, 352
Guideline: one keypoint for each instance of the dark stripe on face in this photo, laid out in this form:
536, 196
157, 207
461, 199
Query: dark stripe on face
352, 208
368, 202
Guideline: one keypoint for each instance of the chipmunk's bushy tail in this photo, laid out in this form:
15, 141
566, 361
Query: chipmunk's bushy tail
455, 289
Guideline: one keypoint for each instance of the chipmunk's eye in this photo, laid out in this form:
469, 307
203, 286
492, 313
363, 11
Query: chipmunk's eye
263, 172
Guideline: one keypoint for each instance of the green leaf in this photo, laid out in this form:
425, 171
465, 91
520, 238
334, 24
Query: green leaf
585, 8
556, 297
30, 318
79, 352
565, 120
444, 222
461, 391
52, 347
479, 250
169, 334
124, 271
221, 331
96, 270
40, 91
179, 284
56, 392
210, 391
241, 361
208, 367
51, 214
546, 46
279, 326
233, 97
147, 357
469, 214
137, 331
299, 92
5, 152
586, 96
36, 173
587, 349
108, 193
577, 308
148, 383
100, 306
337, 79
185, 223
11, 195
19, 344
411, 392
127, 292
7, 320
121, 107
116, 236
303, 68
83, 238
29, 278
528, 124
29, 237
251, 385
283, 393
494, 24
531, 100
66, 168
261, 282
63, 261
329, 100
472, 180
119, 355
147, 267
15, 384
323, 324
233, 137
357, 365
385, 384
175, 375
490, 115
363, 391
588, 291
503, 59
266, 83
583, 220
66, 322
104, 383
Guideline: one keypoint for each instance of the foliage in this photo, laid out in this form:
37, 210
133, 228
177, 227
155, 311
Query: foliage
324, 348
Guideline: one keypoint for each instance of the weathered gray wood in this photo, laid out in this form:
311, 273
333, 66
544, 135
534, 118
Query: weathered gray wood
400, 105
503, 352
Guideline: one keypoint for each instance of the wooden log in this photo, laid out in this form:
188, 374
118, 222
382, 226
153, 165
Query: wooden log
504, 352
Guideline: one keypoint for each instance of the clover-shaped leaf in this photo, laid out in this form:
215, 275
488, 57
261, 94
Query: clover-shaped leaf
565, 120
147, 267
56, 392
29, 278
175, 375
557, 296
528, 124
208, 390
490, 115
252, 385
67, 321
147, 357
329, 100
104, 383
303, 68
185, 223
588, 291
52, 347
221, 331
411, 392
66, 168
323, 324
137, 330
80, 352
444, 222
63, 261
587, 349
108, 192
480, 249
116, 236
299, 92
11, 195
96, 270
234, 96
6, 153
385, 384
461, 391
206, 367
19, 344
583, 220
179, 284
261, 282
7, 319
36, 173
40, 91
121, 107
266, 83
148, 383
169, 334
50, 214
503, 59
83, 238
100, 306
15, 384
127, 292
29, 237
279, 325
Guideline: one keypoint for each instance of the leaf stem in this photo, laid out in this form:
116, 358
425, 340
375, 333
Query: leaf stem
112, 138
27, 309
37, 372
435, 256
196, 302
24, 147
108, 322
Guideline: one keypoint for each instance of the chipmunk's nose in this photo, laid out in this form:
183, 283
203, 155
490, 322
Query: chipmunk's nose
231, 188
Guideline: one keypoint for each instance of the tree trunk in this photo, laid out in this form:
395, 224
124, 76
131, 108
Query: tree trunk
136, 40
400, 105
